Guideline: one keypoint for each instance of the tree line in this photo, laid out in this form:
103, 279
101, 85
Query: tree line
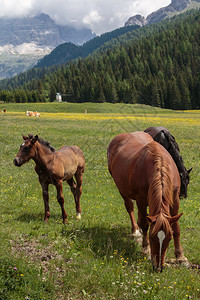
158, 66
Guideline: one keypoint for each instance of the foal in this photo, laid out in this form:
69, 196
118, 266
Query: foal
54, 167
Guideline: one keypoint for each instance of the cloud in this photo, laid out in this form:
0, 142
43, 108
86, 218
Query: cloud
99, 15
12, 8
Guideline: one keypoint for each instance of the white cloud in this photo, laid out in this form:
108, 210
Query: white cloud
12, 8
99, 15
92, 17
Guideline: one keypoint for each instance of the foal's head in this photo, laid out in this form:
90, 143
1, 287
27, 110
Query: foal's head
26, 151
160, 234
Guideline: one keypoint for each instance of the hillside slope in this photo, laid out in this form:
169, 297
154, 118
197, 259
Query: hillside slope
68, 51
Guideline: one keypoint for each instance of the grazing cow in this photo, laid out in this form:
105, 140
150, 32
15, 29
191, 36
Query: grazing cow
30, 113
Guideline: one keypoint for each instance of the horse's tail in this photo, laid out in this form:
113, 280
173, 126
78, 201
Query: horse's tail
161, 186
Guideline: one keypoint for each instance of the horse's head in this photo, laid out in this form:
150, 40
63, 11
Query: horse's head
185, 179
160, 234
26, 151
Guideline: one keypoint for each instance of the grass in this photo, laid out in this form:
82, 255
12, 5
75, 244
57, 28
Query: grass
94, 257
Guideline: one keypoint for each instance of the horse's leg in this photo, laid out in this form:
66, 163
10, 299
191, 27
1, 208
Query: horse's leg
144, 225
60, 199
177, 245
130, 209
79, 180
45, 195
176, 235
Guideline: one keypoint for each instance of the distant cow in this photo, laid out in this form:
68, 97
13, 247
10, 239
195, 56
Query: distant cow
30, 113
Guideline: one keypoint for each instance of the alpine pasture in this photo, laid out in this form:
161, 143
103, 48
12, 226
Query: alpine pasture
95, 257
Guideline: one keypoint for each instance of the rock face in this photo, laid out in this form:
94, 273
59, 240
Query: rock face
40, 30
180, 5
25, 40
136, 20
176, 6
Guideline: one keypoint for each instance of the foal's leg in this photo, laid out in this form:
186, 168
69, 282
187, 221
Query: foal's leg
60, 199
73, 187
45, 195
130, 209
79, 180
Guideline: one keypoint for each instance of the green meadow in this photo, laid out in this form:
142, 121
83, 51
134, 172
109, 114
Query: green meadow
95, 257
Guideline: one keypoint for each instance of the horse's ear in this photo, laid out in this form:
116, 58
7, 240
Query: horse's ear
174, 218
189, 170
151, 219
34, 139
24, 137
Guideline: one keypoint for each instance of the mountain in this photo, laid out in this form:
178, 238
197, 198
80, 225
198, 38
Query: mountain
176, 7
68, 51
24, 40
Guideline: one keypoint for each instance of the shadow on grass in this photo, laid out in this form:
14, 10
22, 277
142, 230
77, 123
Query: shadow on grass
101, 241
106, 243
30, 217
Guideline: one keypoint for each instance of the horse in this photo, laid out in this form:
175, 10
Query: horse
54, 167
144, 171
164, 137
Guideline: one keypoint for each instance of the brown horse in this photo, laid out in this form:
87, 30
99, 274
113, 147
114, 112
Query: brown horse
53, 167
144, 171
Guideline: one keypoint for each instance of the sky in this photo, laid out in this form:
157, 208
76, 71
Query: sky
98, 15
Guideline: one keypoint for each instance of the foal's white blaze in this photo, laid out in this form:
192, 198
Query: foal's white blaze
78, 215
22, 144
161, 237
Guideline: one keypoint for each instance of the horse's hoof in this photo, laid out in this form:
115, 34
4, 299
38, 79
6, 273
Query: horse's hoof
183, 261
78, 216
137, 236
146, 251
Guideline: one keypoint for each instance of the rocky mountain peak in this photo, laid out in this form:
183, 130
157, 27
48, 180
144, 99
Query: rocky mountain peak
136, 20
25, 40
179, 5
176, 6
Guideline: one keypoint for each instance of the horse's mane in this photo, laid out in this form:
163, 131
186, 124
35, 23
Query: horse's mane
171, 140
174, 150
160, 193
162, 224
43, 142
